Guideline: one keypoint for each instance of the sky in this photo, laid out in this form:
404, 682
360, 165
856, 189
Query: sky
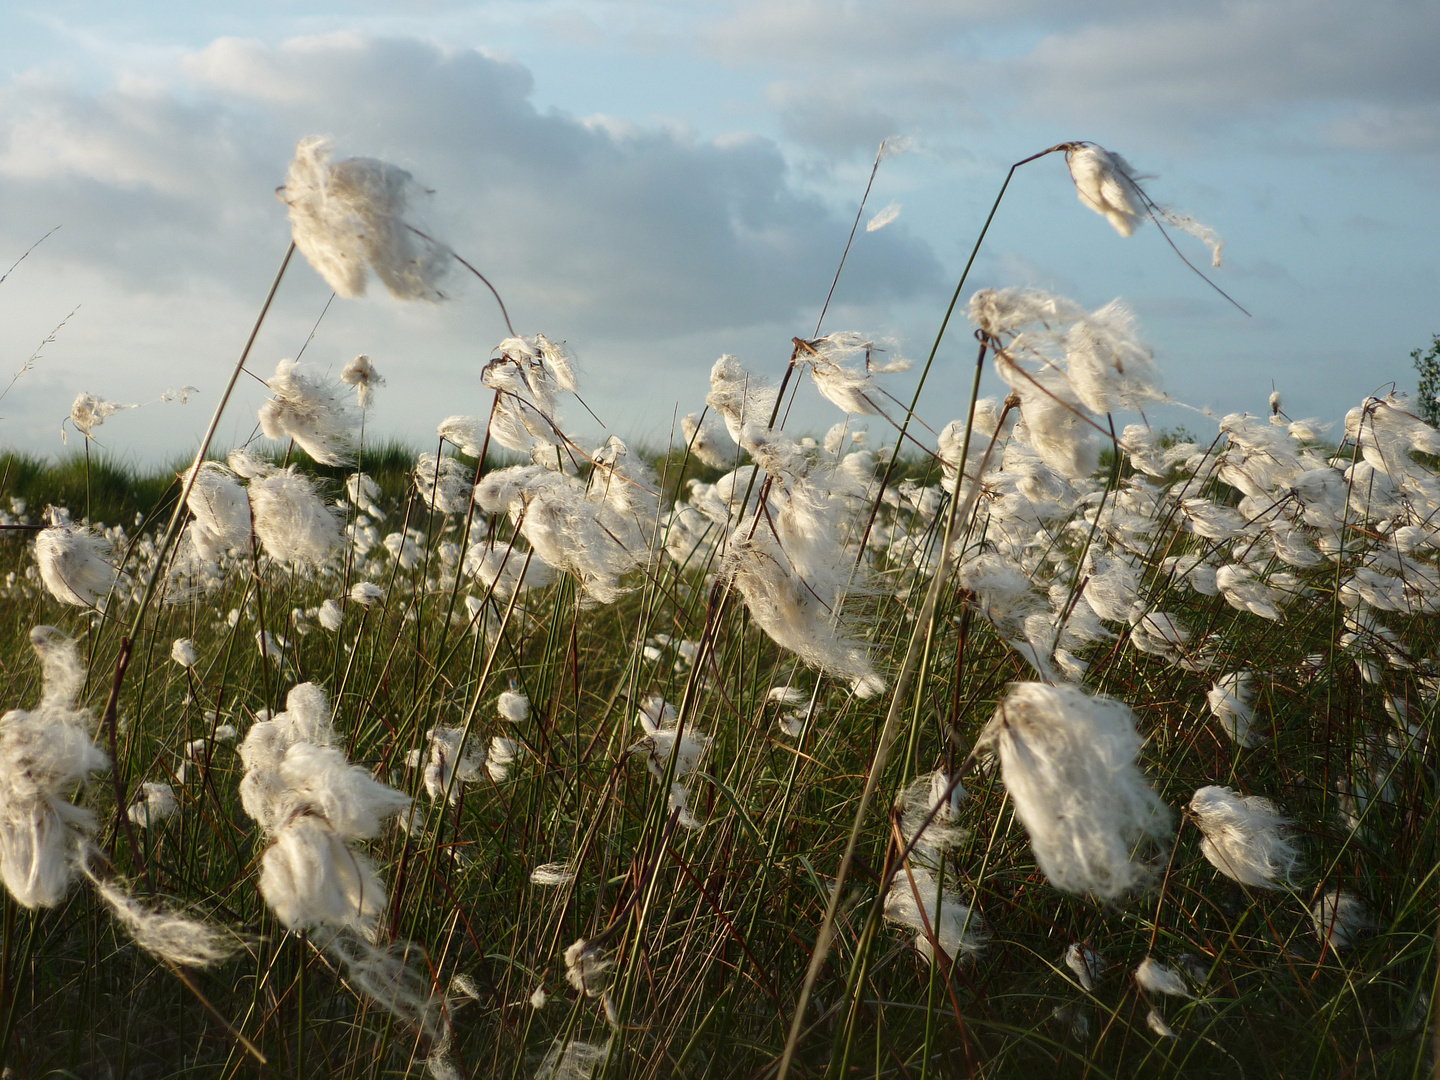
656, 184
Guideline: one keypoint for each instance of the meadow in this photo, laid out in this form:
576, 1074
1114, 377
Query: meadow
1034, 741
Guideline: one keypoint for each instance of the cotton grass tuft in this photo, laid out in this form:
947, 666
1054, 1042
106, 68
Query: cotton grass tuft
1068, 762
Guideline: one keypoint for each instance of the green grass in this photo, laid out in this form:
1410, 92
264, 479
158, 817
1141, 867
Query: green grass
708, 967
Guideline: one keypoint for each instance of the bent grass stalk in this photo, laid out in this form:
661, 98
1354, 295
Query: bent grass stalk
709, 929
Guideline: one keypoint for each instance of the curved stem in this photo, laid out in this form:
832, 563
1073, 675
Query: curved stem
178, 515
939, 336
879, 155
959, 511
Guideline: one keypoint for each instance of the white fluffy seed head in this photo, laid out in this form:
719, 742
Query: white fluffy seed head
1105, 183
220, 505
361, 374
89, 412
167, 934
1156, 978
513, 706
552, 874
930, 797
466, 432
454, 759
955, 925
1068, 762
310, 411
44, 753
585, 967
157, 804
182, 651
366, 593
1087, 964
293, 523
1229, 701
1339, 917
1245, 838
332, 615
346, 216
709, 441
75, 565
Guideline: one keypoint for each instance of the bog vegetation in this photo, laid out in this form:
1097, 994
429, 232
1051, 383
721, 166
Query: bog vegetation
1030, 742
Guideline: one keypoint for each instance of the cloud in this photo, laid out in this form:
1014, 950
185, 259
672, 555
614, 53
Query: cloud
1216, 63
1163, 69
614, 235
630, 228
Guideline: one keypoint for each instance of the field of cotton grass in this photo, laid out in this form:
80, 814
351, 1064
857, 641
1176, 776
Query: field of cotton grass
1036, 741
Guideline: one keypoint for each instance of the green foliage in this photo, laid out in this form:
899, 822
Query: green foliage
704, 983
1427, 365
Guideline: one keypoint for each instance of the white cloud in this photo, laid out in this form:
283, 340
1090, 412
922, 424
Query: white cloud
1157, 69
614, 235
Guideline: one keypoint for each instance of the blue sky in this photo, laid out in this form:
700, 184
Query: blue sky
660, 183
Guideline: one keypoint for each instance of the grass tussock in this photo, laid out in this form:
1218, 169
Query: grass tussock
1040, 743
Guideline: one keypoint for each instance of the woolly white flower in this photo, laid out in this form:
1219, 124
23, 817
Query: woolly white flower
793, 723
883, 217
1105, 183
1229, 700
311, 802
270, 646
311, 878
956, 926
791, 575
44, 753
452, 758
220, 506
842, 366
310, 412
363, 491
157, 804
1068, 762
585, 967
925, 794
443, 483
75, 565
173, 937
331, 615
1087, 964
658, 719
346, 215
1156, 978
89, 412
1106, 363
1339, 917
739, 397
788, 695
513, 706
1243, 837
366, 593
361, 374
506, 570
465, 432
43, 844
552, 874
1244, 592
662, 742
1156, 1023
503, 753
293, 523
708, 441
182, 651
572, 1060
1055, 420
527, 374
